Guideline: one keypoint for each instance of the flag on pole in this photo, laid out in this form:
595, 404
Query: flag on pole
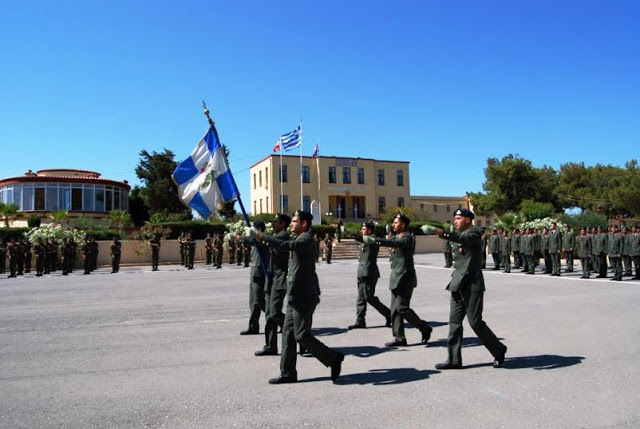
289, 141
315, 151
204, 179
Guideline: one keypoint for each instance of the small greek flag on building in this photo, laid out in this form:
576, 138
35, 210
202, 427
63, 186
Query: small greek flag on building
289, 141
204, 180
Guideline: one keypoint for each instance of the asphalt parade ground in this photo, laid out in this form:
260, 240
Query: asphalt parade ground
142, 349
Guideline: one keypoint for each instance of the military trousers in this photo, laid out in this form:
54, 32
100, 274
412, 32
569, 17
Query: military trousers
506, 262
531, 264
548, 265
209, 257
27, 262
496, 260
115, 263
517, 259
616, 264
274, 317
626, 262
568, 254
39, 265
555, 263
636, 264
13, 266
401, 311
256, 302
87, 265
602, 265
155, 257
219, 257
448, 259
469, 304
297, 328
595, 263
586, 271
367, 295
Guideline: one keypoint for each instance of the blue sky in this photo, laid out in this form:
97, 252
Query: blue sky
442, 84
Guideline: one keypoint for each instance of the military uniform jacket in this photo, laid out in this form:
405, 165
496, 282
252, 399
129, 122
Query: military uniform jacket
494, 244
584, 246
154, 243
544, 242
303, 288
568, 241
528, 244
603, 242
515, 242
506, 245
368, 259
555, 241
40, 250
595, 244
467, 260
279, 262
116, 249
615, 245
634, 244
256, 268
625, 244
403, 272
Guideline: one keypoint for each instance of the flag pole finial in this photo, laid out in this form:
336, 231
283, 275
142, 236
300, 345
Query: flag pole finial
206, 113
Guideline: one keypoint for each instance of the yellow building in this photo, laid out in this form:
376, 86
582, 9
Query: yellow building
346, 188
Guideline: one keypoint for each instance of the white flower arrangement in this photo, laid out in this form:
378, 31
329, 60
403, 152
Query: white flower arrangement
538, 224
54, 232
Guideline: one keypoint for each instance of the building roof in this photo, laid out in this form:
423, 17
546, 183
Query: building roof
325, 157
58, 175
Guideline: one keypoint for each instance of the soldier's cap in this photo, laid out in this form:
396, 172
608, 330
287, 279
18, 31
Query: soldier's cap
260, 225
304, 216
284, 218
369, 225
465, 213
403, 219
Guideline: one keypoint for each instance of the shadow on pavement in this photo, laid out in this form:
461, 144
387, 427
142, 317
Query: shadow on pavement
364, 351
381, 377
325, 332
466, 342
539, 362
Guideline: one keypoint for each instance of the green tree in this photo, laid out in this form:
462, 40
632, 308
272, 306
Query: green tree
160, 191
119, 219
59, 217
137, 207
531, 210
10, 212
625, 195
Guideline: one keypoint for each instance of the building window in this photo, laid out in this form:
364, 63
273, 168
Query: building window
64, 196
76, 199
283, 174
306, 203
381, 204
87, 198
39, 199
400, 201
266, 178
255, 207
306, 174
332, 175
260, 205
254, 181
488, 222
380, 177
285, 203
266, 203
360, 176
260, 178
108, 199
448, 208
400, 178
346, 174
27, 198
51, 201
435, 208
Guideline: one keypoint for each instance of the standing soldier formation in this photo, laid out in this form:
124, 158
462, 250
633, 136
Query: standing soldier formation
154, 244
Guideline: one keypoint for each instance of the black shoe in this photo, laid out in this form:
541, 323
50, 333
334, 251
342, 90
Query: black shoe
498, 362
388, 322
396, 343
426, 334
357, 326
283, 380
250, 332
266, 352
336, 367
448, 365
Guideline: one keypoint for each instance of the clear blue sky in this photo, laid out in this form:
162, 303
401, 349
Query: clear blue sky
442, 84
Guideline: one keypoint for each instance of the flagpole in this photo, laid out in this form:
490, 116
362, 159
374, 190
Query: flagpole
263, 265
281, 196
301, 188
318, 170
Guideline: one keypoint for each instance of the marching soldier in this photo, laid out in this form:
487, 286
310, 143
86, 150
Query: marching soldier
615, 252
154, 244
276, 288
116, 252
303, 293
555, 247
257, 281
634, 250
467, 291
568, 245
402, 281
218, 245
208, 248
328, 247
584, 246
41, 255
368, 275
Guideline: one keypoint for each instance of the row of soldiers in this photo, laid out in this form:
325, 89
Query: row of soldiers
597, 248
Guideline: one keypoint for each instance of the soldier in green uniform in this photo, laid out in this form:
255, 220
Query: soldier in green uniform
20, 245
583, 244
402, 281
595, 250
318, 240
257, 280
506, 251
13, 252
52, 256
190, 249
182, 248
634, 250
86, 256
41, 251
116, 252
446, 250
64, 251
368, 275
3, 256
568, 245
529, 251
74, 252
467, 291
515, 248
603, 246
246, 248
94, 248
276, 287
494, 248
218, 246
626, 258
27, 256
239, 252
154, 244
303, 293
544, 250
484, 248
555, 247
614, 252
328, 247
208, 249
232, 249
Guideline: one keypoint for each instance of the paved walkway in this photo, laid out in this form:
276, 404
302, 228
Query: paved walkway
143, 349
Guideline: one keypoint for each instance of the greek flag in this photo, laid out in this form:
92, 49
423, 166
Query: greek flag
204, 180
290, 140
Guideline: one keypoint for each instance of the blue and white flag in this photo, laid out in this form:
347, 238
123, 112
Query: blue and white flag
204, 180
290, 140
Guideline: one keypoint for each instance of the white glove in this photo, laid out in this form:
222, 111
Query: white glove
367, 239
428, 229
388, 228
250, 232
